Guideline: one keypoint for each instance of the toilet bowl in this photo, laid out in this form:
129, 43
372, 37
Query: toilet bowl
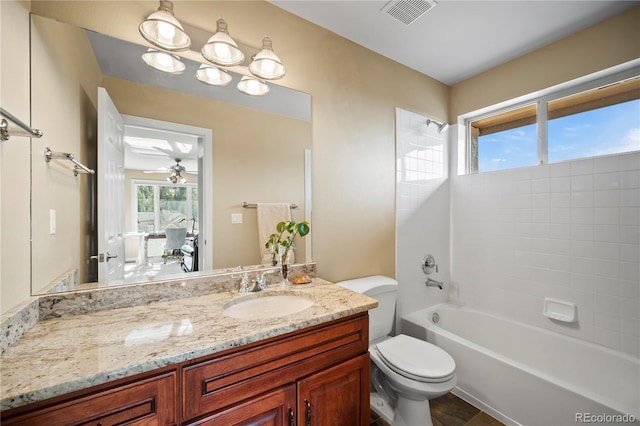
416, 371
405, 372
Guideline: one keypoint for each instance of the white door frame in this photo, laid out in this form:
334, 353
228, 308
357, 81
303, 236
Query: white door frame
205, 181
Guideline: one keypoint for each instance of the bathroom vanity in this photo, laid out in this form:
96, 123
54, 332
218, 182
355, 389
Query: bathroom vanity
183, 361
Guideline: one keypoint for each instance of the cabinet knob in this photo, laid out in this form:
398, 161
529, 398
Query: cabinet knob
292, 418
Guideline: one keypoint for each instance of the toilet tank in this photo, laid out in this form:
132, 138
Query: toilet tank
384, 290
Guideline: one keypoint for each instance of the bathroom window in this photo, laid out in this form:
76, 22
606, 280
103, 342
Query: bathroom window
602, 121
597, 118
158, 205
505, 141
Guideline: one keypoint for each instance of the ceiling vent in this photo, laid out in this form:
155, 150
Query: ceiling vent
407, 11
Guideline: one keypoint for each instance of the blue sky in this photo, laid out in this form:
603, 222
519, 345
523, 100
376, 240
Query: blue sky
602, 131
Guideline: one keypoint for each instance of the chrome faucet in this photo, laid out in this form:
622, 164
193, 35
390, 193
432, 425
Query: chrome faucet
244, 283
433, 283
260, 283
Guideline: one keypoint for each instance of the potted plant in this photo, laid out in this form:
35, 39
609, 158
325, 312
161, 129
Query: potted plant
280, 243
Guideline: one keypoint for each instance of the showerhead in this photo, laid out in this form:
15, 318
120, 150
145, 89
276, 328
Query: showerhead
441, 126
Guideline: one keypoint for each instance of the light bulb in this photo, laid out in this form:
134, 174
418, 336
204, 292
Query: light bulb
222, 50
165, 30
164, 60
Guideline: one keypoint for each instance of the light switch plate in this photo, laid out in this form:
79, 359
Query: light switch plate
236, 217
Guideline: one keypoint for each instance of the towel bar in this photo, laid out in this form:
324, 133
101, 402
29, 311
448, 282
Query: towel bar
5, 132
253, 206
78, 168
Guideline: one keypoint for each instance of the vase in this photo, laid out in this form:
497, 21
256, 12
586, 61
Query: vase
285, 268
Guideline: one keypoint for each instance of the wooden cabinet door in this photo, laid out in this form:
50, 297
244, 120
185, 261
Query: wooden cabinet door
336, 396
275, 408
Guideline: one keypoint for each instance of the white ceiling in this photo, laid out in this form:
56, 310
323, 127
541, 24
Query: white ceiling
456, 39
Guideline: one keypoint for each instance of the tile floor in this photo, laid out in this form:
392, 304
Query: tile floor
449, 410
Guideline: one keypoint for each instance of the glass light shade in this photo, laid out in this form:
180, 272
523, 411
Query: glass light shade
266, 64
252, 87
163, 61
213, 75
163, 30
221, 49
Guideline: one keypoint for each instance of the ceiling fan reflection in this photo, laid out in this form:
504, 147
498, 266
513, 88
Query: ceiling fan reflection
175, 171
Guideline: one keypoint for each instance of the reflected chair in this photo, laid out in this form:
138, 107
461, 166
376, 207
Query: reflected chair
175, 240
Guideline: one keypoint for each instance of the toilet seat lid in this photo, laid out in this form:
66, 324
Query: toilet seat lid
416, 359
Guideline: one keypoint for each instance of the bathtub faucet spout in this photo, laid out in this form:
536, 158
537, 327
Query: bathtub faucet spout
433, 283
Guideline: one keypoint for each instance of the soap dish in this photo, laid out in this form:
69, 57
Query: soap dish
560, 310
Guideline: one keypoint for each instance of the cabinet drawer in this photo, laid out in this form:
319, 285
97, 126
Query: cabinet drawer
150, 401
241, 374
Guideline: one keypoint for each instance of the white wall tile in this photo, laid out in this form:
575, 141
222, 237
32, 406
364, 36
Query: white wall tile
569, 230
629, 198
630, 216
582, 199
560, 184
630, 161
604, 181
582, 167
582, 183
610, 163
630, 179
560, 169
607, 198
606, 216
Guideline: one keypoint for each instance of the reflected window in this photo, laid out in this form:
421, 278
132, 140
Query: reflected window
160, 205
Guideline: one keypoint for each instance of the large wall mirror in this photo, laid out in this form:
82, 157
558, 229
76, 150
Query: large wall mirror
192, 154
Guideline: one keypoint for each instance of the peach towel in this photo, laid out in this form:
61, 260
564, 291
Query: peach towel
269, 214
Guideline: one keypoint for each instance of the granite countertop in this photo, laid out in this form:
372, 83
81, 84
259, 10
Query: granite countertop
60, 355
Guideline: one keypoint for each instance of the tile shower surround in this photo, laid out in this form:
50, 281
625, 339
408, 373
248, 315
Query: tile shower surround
422, 210
568, 230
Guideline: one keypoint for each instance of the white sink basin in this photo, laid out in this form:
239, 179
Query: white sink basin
271, 306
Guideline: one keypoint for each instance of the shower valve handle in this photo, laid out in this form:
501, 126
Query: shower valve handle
429, 264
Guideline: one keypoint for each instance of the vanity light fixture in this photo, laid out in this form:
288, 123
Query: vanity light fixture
221, 49
213, 75
163, 61
266, 64
163, 30
252, 86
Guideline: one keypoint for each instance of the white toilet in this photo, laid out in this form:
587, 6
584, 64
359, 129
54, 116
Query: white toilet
405, 372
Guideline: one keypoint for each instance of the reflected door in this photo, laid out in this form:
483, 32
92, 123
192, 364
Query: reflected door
111, 256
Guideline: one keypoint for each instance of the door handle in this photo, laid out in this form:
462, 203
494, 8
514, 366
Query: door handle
104, 257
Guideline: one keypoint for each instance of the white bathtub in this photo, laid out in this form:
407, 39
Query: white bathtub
525, 375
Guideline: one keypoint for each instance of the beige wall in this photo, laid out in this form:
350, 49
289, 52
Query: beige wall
257, 157
609, 43
14, 155
353, 117
65, 77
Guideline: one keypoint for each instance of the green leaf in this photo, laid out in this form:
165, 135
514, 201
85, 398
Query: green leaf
303, 228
